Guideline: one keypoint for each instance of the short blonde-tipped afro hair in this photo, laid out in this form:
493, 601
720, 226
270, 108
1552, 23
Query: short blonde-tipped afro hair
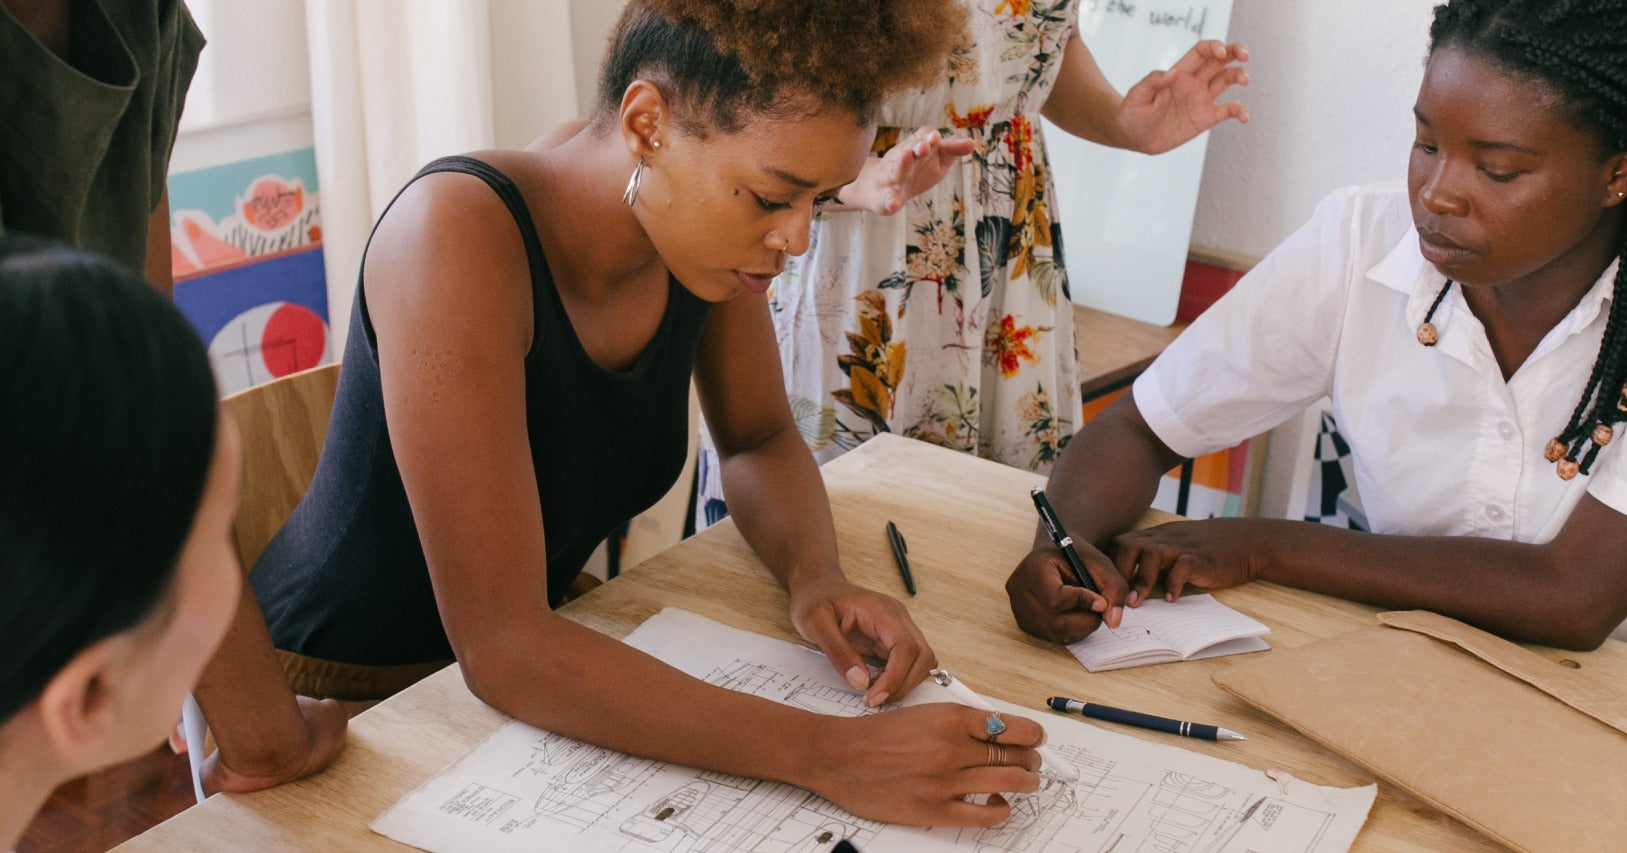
722, 59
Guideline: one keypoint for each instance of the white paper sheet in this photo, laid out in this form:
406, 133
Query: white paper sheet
524, 789
1192, 627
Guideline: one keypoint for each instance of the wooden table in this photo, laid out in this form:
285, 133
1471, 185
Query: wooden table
1114, 350
968, 521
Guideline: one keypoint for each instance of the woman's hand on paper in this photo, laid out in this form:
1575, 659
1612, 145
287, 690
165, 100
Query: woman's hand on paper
1169, 108
913, 166
1211, 554
1050, 604
851, 624
916, 765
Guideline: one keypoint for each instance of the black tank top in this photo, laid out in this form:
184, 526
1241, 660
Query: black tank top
346, 580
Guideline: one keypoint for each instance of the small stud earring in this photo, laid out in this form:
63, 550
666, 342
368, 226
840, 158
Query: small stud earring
655, 144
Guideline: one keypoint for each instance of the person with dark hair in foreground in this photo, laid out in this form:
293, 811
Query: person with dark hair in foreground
516, 385
118, 485
1468, 330
89, 105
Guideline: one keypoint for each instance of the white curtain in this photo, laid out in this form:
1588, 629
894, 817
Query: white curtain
397, 83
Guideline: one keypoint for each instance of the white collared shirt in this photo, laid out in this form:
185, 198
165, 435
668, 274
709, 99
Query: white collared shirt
1441, 444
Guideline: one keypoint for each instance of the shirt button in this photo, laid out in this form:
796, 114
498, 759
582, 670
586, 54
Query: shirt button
1506, 430
1494, 512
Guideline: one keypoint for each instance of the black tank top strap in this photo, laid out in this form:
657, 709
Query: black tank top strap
500, 184
506, 190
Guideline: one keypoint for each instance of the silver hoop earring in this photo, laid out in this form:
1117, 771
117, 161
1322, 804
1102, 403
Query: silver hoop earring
631, 193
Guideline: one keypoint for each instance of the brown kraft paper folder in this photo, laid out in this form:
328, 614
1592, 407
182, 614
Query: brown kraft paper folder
1527, 749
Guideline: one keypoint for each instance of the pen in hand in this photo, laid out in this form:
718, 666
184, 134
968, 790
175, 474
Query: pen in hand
967, 696
1140, 720
1053, 526
899, 551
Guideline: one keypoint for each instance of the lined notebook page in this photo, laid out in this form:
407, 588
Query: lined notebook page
1194, 627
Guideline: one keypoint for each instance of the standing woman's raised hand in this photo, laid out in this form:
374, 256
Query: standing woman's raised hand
913, 166
1169, 108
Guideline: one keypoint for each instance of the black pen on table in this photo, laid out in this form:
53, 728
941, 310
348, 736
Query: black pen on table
899, 551
1053, 526
1140, 720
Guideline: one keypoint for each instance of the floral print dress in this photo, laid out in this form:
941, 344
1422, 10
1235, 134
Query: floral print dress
949, 321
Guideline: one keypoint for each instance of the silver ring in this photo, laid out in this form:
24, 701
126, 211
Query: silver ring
993, 726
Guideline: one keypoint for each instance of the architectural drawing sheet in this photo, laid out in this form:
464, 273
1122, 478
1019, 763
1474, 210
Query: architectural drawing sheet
524, 789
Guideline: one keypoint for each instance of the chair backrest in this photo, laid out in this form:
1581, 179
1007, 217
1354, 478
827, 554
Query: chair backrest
283, 424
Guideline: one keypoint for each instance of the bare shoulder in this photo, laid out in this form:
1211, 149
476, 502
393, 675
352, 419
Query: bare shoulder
449, 254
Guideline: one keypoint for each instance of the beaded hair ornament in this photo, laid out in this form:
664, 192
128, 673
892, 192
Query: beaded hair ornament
1557, 450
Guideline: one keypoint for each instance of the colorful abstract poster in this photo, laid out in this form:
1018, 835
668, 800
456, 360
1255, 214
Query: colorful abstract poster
246, 245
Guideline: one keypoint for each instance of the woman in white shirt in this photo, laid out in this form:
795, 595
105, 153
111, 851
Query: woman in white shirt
1465, 327
118, 484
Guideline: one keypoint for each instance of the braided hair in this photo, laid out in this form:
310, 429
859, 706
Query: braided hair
1579, 48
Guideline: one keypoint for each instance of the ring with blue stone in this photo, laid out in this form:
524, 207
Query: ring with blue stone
993, 726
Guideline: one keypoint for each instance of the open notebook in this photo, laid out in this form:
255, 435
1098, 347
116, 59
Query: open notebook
1194, 627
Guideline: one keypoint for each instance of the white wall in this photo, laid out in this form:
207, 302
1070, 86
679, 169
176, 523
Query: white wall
535, 66
1330, 103
591, 21
251, 95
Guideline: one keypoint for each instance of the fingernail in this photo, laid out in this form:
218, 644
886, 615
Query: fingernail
858, 677
877, 700
1115, 616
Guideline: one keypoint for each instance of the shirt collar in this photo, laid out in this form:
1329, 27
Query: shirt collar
1404, 270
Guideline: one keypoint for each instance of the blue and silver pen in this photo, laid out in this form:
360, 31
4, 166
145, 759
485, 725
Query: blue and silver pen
1140, 720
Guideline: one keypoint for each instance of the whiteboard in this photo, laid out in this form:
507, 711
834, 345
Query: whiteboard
1127, 217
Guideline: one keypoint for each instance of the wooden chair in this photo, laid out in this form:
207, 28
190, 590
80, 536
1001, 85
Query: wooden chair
282, 424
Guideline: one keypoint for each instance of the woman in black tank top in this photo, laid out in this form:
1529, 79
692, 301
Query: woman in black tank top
516, 383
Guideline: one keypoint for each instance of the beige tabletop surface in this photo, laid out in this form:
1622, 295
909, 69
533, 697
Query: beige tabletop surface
967, 522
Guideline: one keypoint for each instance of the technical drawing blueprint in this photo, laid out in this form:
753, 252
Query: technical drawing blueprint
528, 789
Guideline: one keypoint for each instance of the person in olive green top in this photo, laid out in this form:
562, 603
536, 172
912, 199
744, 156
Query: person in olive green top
88, 107
90, 97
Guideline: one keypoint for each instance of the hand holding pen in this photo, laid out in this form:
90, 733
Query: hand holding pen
1064, 542
967, 696
1053, 595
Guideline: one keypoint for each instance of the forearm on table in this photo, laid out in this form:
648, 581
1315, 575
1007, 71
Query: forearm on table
777, 498
1516, 590
245, 696
1107, 478
569, 679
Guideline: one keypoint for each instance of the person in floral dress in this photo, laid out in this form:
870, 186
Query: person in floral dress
951, 321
